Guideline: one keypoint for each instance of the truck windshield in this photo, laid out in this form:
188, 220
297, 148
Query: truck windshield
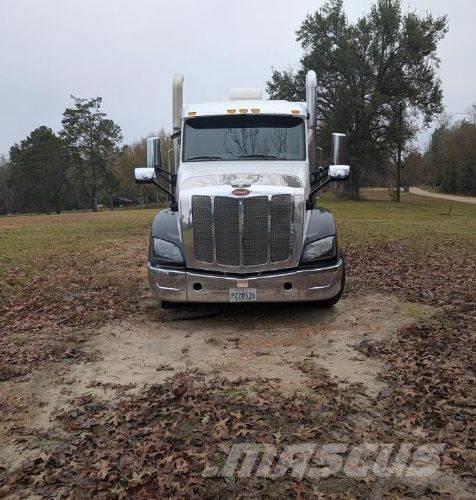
244, 137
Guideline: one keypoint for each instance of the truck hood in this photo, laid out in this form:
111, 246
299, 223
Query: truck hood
204, 175
217, 180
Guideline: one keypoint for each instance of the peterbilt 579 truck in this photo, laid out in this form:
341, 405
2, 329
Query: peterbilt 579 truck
243, 225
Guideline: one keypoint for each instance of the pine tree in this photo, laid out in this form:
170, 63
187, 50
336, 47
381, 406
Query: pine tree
91, 139
38, 171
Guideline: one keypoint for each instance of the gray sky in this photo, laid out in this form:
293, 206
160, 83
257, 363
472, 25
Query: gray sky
127, 52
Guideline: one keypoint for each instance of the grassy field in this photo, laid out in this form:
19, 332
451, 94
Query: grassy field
63, 276
28, 241
76, 269
416, 216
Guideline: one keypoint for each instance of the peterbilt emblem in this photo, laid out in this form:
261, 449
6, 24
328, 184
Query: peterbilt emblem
241, 192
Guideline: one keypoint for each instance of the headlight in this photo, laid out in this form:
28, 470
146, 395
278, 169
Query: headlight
320, 249
167, 250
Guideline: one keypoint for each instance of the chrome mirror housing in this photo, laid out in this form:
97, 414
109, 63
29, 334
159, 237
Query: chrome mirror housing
338, 149
144, 175
339, 172
153, 152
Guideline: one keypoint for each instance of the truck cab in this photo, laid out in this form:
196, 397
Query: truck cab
242, 225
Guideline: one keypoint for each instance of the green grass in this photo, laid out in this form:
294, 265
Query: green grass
414, 217
33, 245
31, 237
34, 236
29, 241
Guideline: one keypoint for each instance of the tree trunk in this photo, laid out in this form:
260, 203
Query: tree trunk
57, 202
94, 199
351, 188
94, 186
399, 150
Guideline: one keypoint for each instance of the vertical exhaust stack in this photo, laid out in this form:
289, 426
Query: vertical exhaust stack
311, 91
177, 101
177, 106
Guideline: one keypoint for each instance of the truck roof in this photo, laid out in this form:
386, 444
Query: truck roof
245, 107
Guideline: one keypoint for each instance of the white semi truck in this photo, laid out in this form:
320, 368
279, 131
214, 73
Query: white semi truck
242, 224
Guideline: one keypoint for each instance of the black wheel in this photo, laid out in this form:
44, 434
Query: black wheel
333, 300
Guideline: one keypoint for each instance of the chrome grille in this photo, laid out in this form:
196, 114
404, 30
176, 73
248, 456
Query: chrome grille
255, 230
202, 228
281, 224
242, 232
227, 231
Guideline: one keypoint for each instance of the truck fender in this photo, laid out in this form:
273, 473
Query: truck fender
320, 224
166, 227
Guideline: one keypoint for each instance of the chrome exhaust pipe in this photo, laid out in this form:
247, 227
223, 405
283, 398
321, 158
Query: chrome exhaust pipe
177, 107
177, 101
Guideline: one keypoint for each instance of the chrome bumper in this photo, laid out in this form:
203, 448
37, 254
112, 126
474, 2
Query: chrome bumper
306, 285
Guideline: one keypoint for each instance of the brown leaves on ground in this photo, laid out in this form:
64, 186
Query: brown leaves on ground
430, 365
159, 443
438, 273
63, 296
431, 375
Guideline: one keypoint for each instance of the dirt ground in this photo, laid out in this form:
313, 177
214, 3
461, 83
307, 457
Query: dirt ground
444, 196
252, 341
104, 394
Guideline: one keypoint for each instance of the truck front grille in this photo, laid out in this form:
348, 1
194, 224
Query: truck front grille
242, 232
203, 228
226, 217
255, 230
281, 223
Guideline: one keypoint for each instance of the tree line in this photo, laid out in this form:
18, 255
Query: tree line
81, 167
377, 78
448, 163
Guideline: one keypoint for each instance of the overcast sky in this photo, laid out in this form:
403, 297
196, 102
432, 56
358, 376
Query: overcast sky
128, 50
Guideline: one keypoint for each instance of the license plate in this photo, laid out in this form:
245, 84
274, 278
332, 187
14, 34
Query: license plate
243, 295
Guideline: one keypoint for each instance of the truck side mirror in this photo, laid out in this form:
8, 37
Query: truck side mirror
144, 175
153, 152
338, 149
339, 172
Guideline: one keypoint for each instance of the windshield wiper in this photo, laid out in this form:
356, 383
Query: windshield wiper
204, 158
263, 157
